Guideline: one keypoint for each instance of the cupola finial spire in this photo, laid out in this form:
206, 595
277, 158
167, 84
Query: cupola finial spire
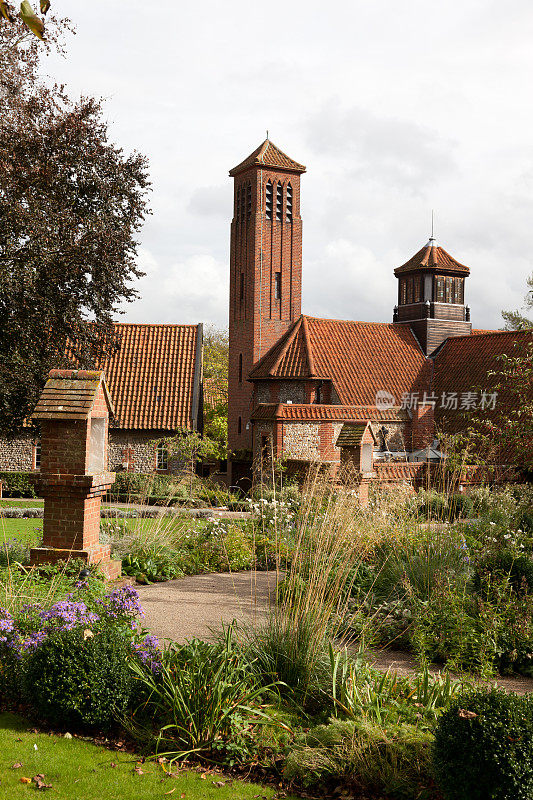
432, 241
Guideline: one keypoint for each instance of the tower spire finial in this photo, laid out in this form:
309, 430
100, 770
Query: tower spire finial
432, 241
268, 138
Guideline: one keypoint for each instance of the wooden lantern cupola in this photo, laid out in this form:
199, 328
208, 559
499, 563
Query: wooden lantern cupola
431, 296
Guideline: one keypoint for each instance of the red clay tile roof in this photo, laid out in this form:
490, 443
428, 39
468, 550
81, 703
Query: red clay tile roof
268, 155
435, 258
463, 365
70, 394
215, 393
301, 412
154, 377
361, 358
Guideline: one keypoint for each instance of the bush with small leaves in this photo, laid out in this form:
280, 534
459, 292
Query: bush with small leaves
484, 747
80, 678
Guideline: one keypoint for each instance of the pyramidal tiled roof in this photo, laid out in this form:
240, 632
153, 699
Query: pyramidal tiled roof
154, 376
268, 155
431, 256
361, 358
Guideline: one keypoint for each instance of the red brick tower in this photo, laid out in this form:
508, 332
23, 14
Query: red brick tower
265, 278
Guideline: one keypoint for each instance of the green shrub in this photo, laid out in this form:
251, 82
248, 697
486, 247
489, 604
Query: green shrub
519, 569
80, 680
395, 759
484, 747
17, 484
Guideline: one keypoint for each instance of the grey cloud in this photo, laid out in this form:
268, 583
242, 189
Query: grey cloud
211, 201
379, 148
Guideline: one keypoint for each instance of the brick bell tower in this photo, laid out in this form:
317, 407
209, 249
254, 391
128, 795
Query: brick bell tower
265, 278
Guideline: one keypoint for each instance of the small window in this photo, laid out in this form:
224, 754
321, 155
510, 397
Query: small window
279, 201
458, 290
240, 367
416, 290
289, 203
241, 291
277, 285
161, 456
409, 290
238, 204
248, 199
318, 394
269, 200
37, 454
449, 290
403, 291
439, 284
239, 425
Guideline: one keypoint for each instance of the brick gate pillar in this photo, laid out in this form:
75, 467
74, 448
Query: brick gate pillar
73, 412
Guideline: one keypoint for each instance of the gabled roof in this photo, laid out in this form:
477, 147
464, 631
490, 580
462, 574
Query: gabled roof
361, 358
268, 155
464, 364
352, 434
432, 257
154, 377
71, 394
306, 412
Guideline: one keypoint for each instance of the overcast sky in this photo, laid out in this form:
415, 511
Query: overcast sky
395, 108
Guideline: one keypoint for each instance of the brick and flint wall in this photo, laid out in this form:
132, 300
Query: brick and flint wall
135, 447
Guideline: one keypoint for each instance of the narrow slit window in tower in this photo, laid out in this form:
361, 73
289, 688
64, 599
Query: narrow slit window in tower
248, 199
239, 425
289, 203
277, 285
268, 200
240, 367
279, 201
241, 289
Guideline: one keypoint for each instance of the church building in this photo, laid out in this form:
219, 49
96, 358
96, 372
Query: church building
295, 382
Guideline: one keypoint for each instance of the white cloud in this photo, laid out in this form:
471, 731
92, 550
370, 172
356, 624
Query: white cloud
395, 108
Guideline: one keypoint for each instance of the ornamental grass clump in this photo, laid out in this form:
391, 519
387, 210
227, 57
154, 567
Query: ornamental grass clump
330, 541
203, 702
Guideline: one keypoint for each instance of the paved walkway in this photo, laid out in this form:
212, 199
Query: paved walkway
199, 605
194, 606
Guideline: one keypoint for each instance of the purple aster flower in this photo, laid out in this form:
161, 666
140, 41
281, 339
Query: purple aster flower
34, 640
68, 614
122, 604
148, 652
6, 624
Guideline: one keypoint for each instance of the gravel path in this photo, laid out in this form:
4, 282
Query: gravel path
199, 605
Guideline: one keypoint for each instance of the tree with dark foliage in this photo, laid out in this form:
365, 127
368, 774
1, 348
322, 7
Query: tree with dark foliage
71, 206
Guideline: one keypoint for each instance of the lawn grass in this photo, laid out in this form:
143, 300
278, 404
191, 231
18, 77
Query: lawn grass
22, 503
27, 530
80, 770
